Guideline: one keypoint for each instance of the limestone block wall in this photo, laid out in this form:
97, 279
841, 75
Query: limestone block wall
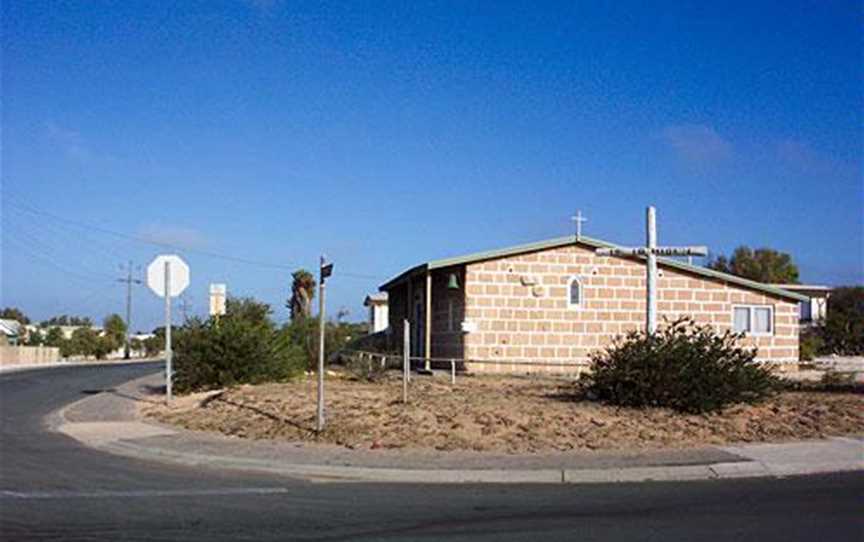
11, 356
519, 305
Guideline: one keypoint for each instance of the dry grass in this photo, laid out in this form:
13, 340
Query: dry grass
504, 414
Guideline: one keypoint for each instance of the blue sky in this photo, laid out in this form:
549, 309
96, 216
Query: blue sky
386, 134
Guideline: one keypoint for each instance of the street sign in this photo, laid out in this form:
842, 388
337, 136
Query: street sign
218, 292
178, 273
326, 270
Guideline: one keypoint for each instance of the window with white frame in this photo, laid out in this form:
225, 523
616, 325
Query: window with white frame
574, 293
753, 319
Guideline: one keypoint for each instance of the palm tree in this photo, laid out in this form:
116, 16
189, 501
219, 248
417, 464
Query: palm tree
302, 292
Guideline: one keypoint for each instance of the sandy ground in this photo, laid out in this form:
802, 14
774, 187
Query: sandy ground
502, 414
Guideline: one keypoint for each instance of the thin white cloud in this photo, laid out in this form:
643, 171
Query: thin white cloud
73, 147
801, 158
172, 235
697, 144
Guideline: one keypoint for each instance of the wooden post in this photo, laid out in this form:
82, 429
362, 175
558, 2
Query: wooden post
427, 336
406, 355
409, 311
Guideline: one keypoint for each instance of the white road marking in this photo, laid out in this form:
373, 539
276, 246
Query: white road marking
140, 493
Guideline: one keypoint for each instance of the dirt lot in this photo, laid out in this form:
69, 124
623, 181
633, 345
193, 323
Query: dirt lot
504, 414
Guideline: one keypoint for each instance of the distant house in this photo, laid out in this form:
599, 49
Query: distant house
815, 307
10, 332
68, 331
378, 318
546, 306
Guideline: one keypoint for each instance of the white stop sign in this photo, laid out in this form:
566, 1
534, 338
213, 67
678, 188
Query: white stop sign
177, 269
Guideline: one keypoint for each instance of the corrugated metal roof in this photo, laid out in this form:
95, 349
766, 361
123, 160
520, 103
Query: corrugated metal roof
593, 243
9, 327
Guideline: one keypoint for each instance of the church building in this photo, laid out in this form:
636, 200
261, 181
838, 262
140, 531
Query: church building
545, 306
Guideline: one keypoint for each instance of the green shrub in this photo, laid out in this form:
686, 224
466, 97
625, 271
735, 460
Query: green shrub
842, 331
153, 345
810, 344
684, 366
305, 332
104, 345
243, 347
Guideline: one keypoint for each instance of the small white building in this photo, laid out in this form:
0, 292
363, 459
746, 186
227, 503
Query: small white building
378, 317
816, 307
10, 332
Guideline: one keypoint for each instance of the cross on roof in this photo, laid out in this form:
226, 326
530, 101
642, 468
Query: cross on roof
578, 219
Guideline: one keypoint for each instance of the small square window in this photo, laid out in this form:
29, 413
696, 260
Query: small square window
753, 319
761, 320
742, 319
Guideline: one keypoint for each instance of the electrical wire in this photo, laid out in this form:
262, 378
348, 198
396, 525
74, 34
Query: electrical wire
210, 254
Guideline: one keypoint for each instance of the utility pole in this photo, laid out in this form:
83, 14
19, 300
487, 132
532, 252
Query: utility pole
129, 282
184, 307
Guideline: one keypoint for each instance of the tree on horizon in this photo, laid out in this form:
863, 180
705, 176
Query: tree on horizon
762, 265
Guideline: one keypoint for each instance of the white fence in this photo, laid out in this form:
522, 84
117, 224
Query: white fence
11, 356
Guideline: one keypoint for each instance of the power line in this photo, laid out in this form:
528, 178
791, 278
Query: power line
210, 254
48, 261
37, 247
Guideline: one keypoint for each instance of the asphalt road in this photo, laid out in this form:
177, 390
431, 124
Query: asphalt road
51, 488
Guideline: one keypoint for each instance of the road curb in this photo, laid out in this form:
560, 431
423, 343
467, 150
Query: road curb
10, 369
126, 445
677, 473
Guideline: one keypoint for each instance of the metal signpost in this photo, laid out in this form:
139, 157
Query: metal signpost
324, 271
651, 251
168, 276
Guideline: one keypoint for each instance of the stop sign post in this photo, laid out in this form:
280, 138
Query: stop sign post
168, 276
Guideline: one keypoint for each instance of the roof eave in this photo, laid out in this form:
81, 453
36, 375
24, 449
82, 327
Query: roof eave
402, 277
734, 279
594, 243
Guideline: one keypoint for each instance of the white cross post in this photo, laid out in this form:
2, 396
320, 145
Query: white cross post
578, 219
650, 251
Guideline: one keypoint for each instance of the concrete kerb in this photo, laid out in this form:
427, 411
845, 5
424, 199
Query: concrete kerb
122, 442
4, 369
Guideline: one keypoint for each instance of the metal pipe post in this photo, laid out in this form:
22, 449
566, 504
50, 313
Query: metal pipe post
651, 275
169, 375
319, 423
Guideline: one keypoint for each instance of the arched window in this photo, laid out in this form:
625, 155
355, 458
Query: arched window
574, 293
